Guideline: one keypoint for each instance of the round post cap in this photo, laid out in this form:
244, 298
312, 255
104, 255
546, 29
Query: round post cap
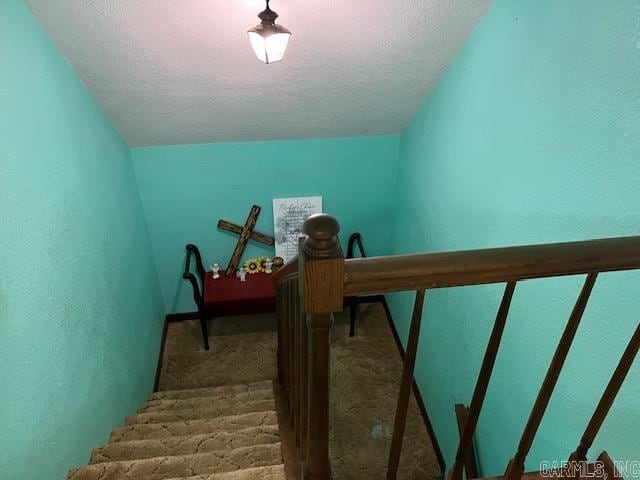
321, 226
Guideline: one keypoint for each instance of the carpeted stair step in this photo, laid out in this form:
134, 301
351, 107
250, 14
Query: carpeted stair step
161, 468
275, 472
251, 362
223, 390
171, 446
219, 410
205, 403
230, 423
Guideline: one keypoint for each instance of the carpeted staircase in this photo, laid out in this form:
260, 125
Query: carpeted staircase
215, 416
228, 432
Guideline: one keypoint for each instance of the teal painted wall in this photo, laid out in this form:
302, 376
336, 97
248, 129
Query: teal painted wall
80, 308
186, 189
532, 136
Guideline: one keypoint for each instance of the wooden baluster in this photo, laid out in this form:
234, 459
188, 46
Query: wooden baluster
405, 387
482, 384
286, 361
609, 395
297, 331
470, 465
322, 280
292, 355
304, 383
281, 332
515, 469
287, 304
610, 470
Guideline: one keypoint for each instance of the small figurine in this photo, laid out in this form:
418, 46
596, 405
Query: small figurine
215, 270
262, 261
242, 274
268, 264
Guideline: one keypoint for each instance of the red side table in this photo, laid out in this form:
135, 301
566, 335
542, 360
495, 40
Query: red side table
229, 296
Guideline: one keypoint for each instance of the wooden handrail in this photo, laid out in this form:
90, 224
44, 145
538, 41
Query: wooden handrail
313, 286
287, 269
495, 265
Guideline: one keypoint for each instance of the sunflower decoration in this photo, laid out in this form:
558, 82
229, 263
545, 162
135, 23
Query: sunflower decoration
253, 265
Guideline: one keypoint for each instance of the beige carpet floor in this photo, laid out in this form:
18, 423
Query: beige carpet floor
365, 380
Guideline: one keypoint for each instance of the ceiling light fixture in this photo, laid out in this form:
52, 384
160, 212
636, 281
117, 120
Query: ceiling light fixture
269, 40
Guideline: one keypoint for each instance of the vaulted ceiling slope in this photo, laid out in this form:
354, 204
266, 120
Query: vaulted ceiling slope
182, 71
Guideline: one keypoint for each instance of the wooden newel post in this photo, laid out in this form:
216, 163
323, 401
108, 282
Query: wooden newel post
322, 282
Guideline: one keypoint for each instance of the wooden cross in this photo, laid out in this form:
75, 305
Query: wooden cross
245, 233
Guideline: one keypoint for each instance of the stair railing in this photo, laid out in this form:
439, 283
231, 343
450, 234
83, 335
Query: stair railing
309, 296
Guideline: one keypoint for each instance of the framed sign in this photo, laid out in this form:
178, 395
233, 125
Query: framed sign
289, 215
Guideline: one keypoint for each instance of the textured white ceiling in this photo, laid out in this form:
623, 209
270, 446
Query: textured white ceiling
182, 71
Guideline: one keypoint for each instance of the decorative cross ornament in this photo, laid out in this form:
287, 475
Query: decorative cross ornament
246, 232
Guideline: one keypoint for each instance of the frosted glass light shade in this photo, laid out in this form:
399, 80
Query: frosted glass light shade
269, 46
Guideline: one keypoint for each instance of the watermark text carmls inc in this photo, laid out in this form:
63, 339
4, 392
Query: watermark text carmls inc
563, 469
